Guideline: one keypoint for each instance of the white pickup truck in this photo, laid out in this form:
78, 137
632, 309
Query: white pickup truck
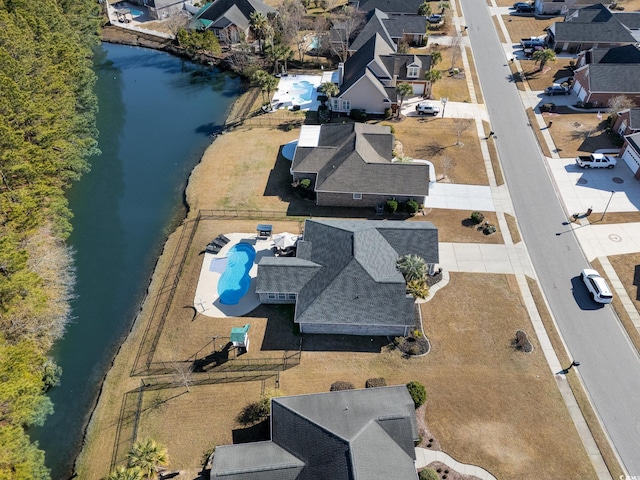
596, 160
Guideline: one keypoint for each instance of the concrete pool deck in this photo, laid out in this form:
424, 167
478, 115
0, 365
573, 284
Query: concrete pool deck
207, 301
288, 95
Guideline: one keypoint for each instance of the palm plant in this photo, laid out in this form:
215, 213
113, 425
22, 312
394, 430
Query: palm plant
259, 24
266, 82
544, 56
403, 90
147, 455
412, 267
418, 288
432, 76
443, 6
436, 58
424, 9
125, 473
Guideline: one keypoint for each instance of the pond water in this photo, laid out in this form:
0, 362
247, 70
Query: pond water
157, 114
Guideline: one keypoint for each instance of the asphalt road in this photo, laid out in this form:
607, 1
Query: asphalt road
610, 366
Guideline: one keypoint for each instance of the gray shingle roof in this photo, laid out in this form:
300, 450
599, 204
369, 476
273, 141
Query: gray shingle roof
357, 158
373, 428
614, 78
375, 24
219, 8
389, 26
255, 461
391, 6
630, 20
356, 65
634, 118
592, 24
285, 274
358, 282
623, 54
634, 141
397, 64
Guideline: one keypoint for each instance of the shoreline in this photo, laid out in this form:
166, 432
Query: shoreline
189, 197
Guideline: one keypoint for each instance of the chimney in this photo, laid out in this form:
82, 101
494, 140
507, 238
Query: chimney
340, 73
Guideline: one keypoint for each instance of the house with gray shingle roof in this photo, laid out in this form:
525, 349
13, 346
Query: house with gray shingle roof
343, 435
344, 279
229, 19
352, 165
393, 28
604, 73
630, 153
558, 7
368, 79
627, 122
400, 7
592, 26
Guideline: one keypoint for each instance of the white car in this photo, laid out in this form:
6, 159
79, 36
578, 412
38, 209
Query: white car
598, 288
426, 108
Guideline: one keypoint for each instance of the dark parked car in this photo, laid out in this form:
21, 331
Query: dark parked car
521, 4
557, 90
525, 9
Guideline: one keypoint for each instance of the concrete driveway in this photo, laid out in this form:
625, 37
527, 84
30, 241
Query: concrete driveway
451, 109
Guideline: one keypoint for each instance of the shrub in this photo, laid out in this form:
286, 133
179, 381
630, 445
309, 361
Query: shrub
417, 333
521, 342
388, 113
477, 217
412, 206
337, 386
428, 474
414, 350
375, 382
358, 114
398, 341
392, 205
418, 392
489, 229
305, 183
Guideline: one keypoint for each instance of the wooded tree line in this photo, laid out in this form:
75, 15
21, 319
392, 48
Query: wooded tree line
47, 132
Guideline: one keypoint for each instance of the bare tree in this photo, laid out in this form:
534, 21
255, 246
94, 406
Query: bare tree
619, 103
320, 28
461, 125
184, 372
292, 14
447, 164
177, 21
456, 49
345, 26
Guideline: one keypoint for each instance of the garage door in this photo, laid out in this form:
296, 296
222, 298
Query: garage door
631, 158
418, 88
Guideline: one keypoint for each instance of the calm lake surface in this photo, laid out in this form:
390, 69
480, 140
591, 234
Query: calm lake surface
157, 114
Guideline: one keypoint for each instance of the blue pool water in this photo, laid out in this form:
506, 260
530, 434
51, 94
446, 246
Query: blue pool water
235, 280
135, 13
307, 87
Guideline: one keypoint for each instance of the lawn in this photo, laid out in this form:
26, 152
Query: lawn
434, 139
487, 403
524, 27
577, 133
553, 72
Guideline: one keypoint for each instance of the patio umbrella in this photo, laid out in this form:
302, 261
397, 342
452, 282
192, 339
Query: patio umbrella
284, 240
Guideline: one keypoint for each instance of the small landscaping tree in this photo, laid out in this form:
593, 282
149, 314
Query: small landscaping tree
412, 267
619, 103
436, 58
403, 90
418, 288
412, 206
418, 392
147, 455
428, 474
544, 56
392, 205
339, 385
266, 82
477, 217
432, 76
124, 473
424, 9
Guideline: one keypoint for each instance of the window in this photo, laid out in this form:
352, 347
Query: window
335, 104
346, 105
413, 72
282, 296
357, 196
291, 296
271, 296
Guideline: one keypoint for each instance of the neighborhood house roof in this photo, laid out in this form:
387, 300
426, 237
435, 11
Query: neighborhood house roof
614, 78
223, 13
634, 141
339, 435
623, 54
391, 6
357, 157
347, 272
591, 24
634, 118
389, 26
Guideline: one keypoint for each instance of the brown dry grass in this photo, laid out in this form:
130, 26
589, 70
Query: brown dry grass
601, 439
454, 226
493, 153
513, 228
496, 25
433, 139
455, 89
570, 131
630, 5
524, 27
627, 268
552, 73
536, 130
474, 75
615, 217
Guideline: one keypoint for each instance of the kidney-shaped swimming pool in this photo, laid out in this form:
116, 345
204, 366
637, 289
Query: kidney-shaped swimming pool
235, 280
